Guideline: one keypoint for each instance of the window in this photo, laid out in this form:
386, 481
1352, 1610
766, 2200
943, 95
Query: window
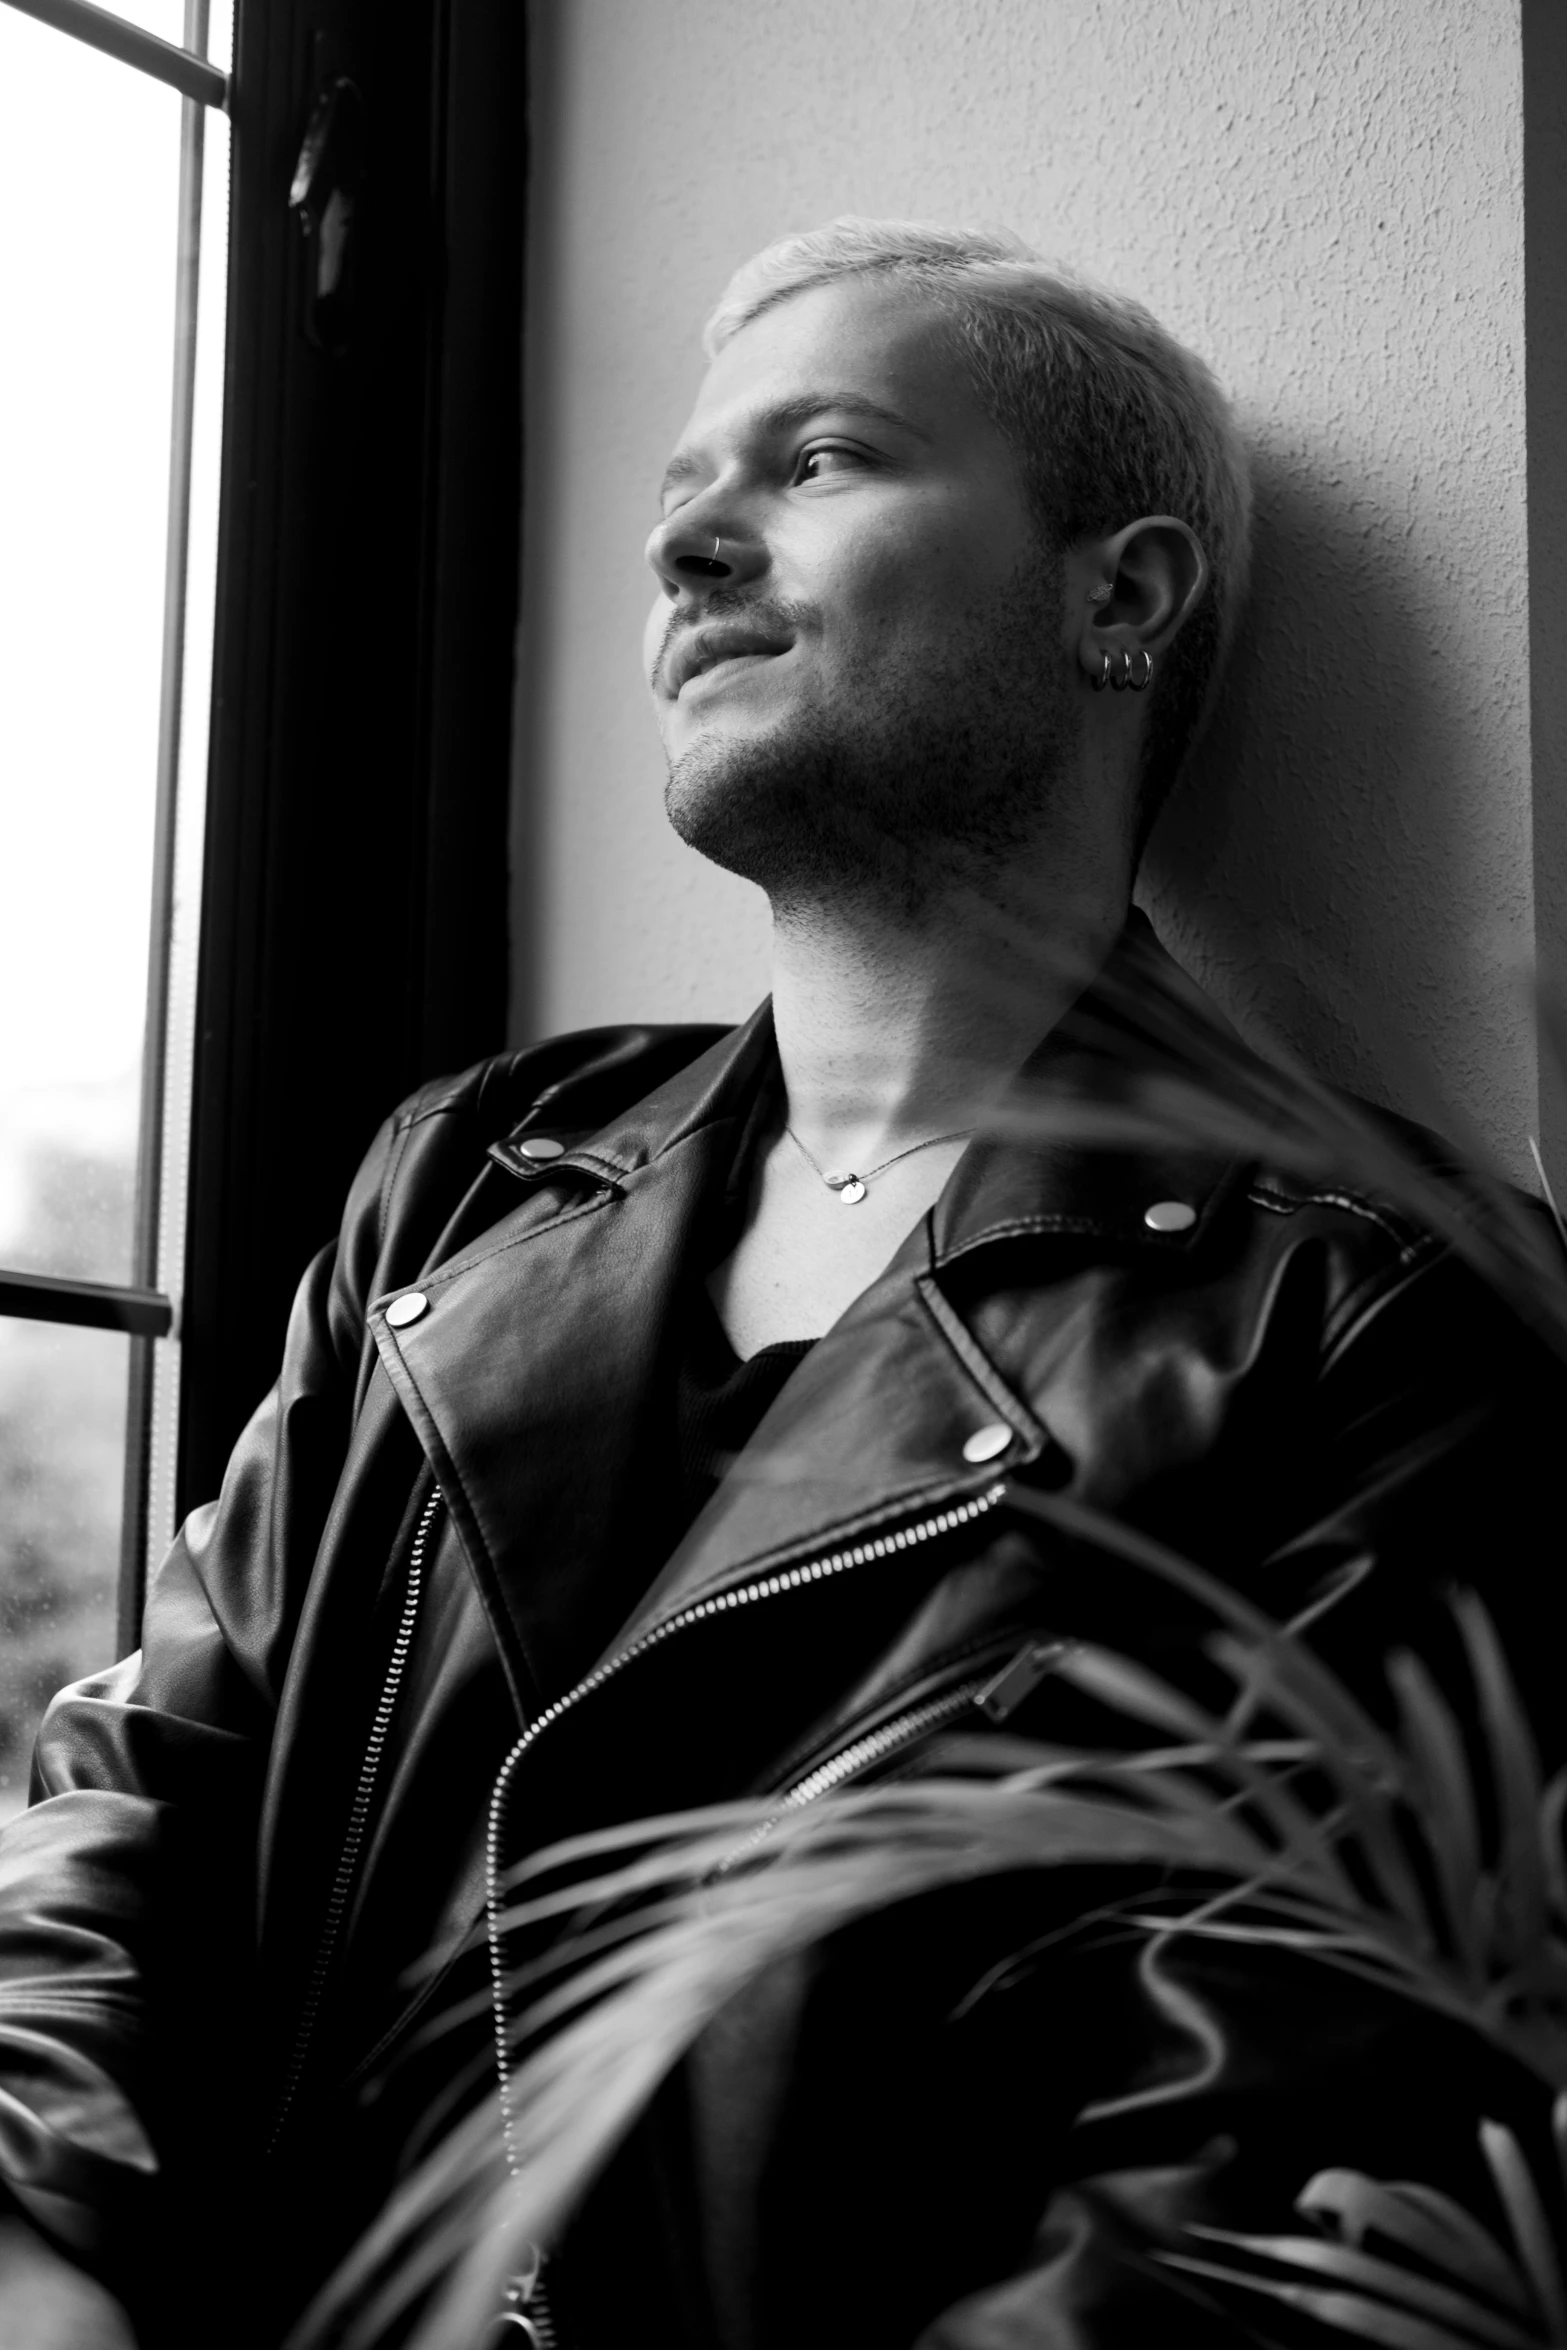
114, 172
260, 424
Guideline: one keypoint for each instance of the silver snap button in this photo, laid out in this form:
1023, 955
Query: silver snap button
986, 1442
1170, 1215
541, 1146
406, 1308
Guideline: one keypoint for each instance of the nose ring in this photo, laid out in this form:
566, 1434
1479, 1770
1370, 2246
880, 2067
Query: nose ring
717, 543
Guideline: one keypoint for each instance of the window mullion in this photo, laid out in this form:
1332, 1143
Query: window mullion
135, 1510
129, 44
90, 1305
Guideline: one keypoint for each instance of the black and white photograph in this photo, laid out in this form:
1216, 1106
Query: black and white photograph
783, 1148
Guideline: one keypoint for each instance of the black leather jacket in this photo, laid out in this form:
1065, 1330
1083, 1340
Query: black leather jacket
216, 1921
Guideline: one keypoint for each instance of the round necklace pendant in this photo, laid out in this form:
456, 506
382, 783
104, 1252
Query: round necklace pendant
852, 1192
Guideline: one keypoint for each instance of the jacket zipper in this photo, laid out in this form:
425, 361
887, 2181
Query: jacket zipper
994, 1693
358, 1822
877, 1746
722, 1603
526, 2311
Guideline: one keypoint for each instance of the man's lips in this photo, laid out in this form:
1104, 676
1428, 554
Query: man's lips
705, 648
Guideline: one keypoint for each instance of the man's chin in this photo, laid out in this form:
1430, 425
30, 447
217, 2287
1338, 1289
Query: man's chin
774, 813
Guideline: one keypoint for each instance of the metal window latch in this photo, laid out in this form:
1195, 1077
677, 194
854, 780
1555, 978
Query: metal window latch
324, 200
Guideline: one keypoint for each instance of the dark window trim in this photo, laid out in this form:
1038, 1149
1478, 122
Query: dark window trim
94, 1305
354, 897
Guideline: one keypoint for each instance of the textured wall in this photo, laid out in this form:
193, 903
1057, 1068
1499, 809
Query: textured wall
1325, 197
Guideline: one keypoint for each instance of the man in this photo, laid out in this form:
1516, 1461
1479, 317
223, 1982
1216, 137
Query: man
648, 1438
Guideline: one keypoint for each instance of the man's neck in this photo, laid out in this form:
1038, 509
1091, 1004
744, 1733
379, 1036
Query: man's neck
892, 1029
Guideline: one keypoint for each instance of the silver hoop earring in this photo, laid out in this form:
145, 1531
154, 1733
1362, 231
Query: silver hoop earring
1102, 678
1121, 678
1140, 684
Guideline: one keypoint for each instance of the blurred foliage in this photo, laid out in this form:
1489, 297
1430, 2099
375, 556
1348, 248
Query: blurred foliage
62, 1440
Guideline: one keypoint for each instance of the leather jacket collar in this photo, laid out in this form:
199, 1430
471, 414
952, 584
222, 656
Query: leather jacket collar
999, 1189
552, 1323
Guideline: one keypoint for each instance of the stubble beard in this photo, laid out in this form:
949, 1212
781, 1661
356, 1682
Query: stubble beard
939, 774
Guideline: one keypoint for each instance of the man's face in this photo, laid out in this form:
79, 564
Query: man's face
880, 672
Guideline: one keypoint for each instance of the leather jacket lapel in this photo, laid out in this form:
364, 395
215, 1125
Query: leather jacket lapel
528, 1371
869, 1430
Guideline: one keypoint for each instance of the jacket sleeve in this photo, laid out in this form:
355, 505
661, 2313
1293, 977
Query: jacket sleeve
126, 1890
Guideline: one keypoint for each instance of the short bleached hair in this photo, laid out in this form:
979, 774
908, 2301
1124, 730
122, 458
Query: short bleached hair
1110, 416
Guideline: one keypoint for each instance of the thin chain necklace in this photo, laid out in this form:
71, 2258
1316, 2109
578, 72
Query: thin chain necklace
851, 1188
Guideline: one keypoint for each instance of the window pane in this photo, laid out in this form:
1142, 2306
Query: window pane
220, 52
166, 18
62, 1443
190, 827
89, 160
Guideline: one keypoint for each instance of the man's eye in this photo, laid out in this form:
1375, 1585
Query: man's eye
811, 464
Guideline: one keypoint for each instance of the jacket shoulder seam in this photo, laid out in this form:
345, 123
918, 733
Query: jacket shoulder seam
463, 1095
394, 1159
460, 1096
466, 1092
1404, 1235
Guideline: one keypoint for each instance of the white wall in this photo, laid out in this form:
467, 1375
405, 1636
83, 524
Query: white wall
1325, 198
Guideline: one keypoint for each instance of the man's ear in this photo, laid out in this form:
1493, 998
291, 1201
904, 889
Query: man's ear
1137, 588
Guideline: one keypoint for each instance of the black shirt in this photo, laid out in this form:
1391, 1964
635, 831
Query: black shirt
719, 1401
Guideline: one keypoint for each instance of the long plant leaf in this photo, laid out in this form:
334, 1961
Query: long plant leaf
1419, 2220
576, 2095
1142, 1697
1515, 1771
1370, 1797
1348, 2266
1350, 2313
1443, 1792
1531, 2229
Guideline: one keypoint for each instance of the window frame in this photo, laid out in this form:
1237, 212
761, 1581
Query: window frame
140, 1307
358, 778
355, 876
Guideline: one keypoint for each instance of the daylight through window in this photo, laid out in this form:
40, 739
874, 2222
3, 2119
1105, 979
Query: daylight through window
114, 179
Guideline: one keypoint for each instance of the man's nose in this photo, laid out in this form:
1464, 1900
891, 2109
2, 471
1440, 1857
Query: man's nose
691, 550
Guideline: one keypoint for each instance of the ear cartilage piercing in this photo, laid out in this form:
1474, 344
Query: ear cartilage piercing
1119, 670
1102, 593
